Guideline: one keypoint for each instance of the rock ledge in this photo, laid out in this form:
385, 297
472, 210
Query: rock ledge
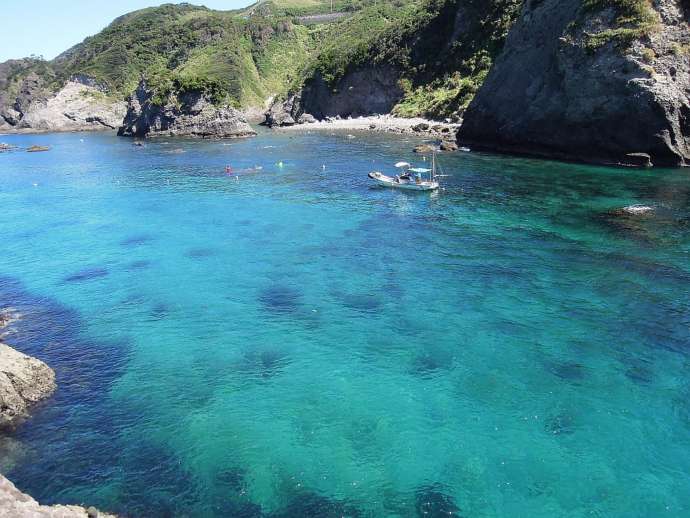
15, 504
23, 381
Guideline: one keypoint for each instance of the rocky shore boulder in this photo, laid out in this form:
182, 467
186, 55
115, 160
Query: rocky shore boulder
288, 112
187, 114
15, 504
592, 81
23, 382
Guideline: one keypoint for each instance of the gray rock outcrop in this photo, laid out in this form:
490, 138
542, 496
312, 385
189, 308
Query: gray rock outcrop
288, 113
15, 504
189, 114
81, 104
75, 107
566, 87
23, 381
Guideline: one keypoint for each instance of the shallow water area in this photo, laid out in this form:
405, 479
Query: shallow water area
296, 342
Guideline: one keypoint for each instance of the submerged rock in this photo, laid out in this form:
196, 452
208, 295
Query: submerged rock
23, 381
633, 210
188, 114
37, 149
14, 503
424, 149
448, 145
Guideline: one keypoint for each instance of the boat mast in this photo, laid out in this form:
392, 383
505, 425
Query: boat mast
433, 165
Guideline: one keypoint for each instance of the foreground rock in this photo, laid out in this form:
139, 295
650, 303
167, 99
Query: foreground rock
80, 105
189, 114
566, 86
23, 382
15, 504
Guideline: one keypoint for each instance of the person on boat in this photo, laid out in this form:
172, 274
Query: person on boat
418, 178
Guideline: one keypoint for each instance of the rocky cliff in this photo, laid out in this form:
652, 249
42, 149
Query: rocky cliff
601, 81
79, 105
189, 113
363, 91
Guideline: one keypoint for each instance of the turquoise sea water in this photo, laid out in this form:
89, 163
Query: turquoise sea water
297, 343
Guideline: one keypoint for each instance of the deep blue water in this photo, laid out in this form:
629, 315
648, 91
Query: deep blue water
298, 343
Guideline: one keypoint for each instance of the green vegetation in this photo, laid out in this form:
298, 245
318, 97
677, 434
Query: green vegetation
442, 50
680, 50
243, 57
440, 73
233, 57
357, 40
634, 20
311, 7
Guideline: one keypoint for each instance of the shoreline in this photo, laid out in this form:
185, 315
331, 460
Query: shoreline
381, 124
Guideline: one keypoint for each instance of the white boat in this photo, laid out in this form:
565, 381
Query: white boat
409, 178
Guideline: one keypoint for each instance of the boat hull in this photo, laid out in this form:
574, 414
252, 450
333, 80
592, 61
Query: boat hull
387, 181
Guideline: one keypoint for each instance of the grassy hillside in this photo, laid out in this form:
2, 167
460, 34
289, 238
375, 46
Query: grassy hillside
242, 57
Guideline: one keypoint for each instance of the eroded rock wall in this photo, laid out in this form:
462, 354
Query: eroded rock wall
553, 93
190, 114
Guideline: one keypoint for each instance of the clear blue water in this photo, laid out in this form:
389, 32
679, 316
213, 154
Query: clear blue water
297, 343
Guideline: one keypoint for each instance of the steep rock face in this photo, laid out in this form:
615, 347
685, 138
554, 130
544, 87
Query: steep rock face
16, 96
287, 113
552, 93
364, 91
75, 107
80, 105
15, 504
23, 381
189, 114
